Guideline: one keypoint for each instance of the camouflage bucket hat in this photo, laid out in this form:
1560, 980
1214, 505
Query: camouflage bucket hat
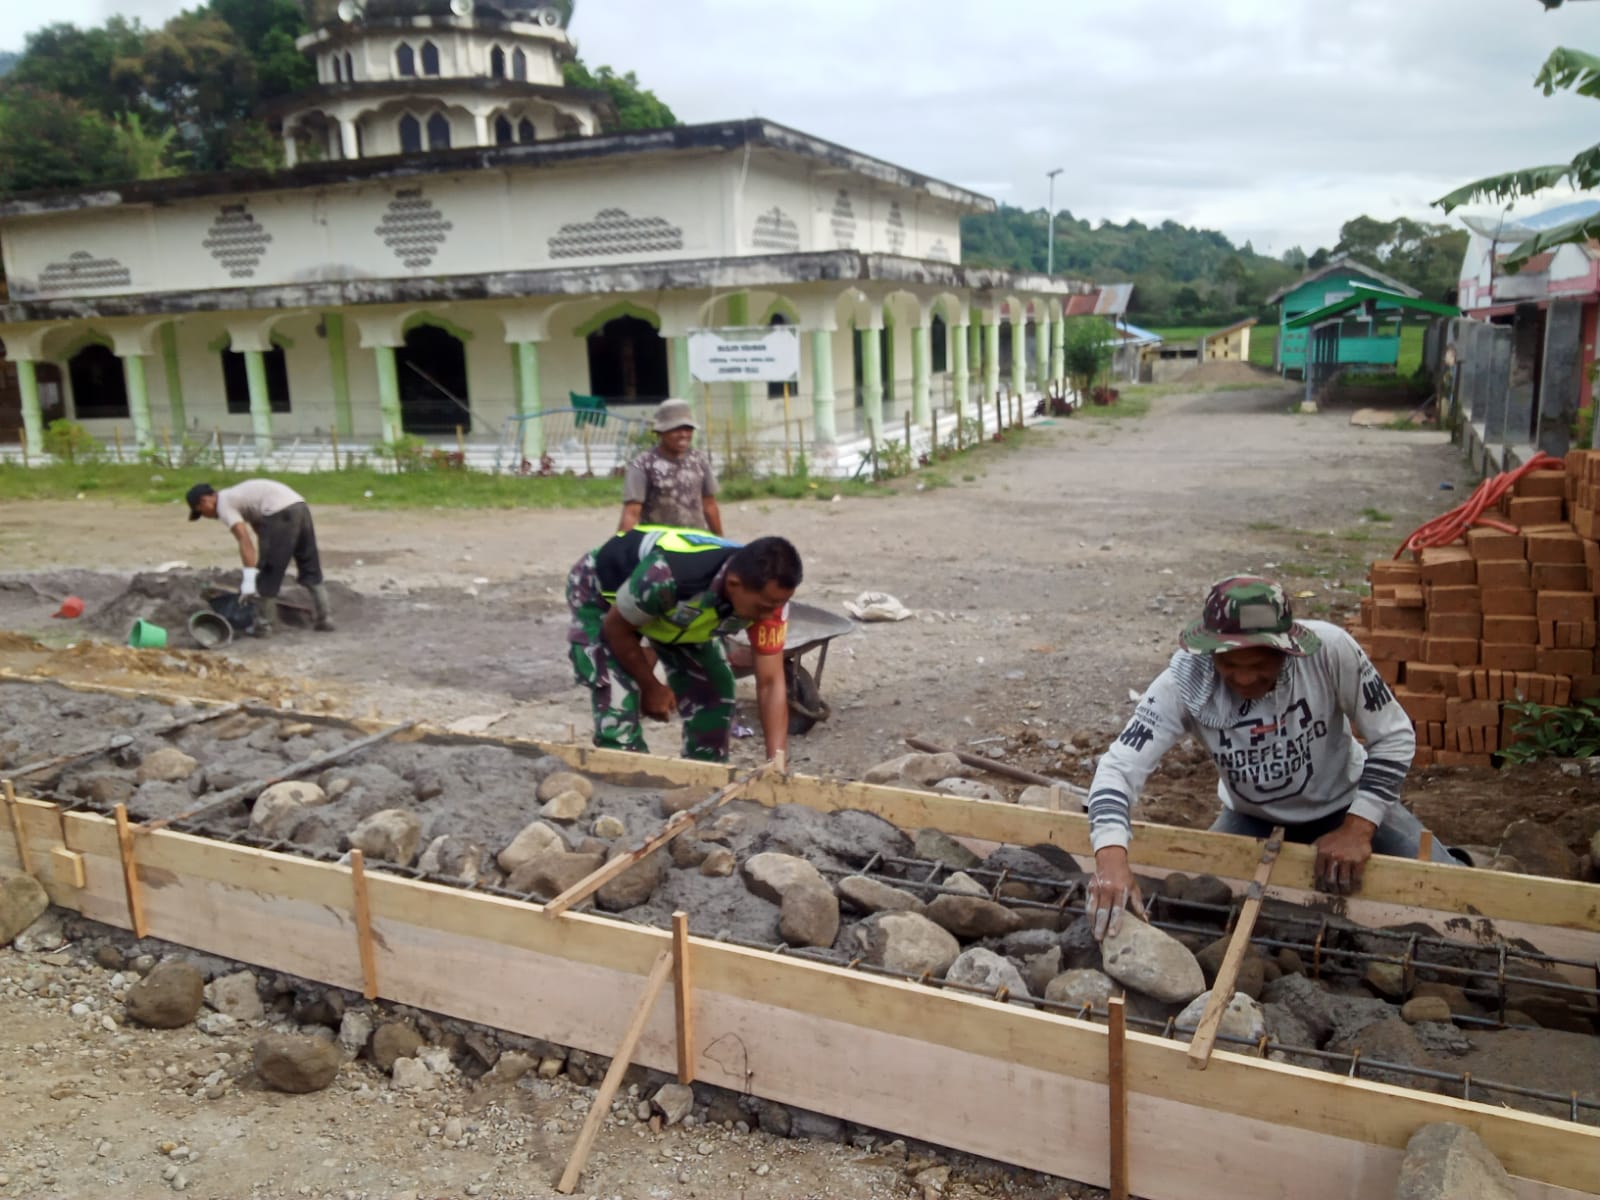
1244, 610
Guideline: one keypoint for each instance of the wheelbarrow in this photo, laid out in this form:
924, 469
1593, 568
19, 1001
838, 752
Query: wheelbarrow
809, 629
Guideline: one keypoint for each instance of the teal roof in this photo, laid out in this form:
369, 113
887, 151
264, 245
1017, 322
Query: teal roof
1382, 299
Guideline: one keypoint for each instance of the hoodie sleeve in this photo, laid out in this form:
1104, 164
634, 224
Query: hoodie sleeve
1391, 741
1155, 727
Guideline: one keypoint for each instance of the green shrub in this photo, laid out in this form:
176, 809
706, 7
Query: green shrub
1545, 731
69, 442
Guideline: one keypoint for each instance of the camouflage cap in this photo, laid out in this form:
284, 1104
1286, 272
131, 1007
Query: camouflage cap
1244, 610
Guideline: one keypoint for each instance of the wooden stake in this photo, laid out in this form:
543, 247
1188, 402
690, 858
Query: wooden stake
1117, 1092
23, 853
682, 985
166, 445
117, 436
788, 465
1205, 1034
22, 440
999, 417
333, 436
872, 448
688, 818
130, 871
613, 1080
369, 962
1425, 846
910, 458
461, 443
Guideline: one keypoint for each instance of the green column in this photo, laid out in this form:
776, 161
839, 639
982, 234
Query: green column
739, 315
1041, 354
255, 370
958, 368
682, 376
530, 398
872, 378
388, 394
174, 370
32, 416
991, 363
339, 375
1019, 356
889, 358
975, 344
1058, 349
921, 359
138, 400
823, 417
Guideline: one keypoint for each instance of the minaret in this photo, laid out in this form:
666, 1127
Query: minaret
416, 76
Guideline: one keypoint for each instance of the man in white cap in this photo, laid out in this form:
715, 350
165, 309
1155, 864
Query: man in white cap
671, 484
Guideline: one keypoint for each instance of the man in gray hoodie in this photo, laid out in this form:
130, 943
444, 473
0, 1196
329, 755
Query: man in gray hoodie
1277, 704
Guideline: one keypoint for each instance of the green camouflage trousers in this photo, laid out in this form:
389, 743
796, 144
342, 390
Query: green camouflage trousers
698, 675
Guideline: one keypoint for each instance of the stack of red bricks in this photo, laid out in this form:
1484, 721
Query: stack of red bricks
1507, 616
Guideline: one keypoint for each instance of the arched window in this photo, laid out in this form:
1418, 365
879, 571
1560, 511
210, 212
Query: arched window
939, 345
504, 135
338, 69
628, 361
349, 66
99, 387
438, 132
519, 64
526, 132
497, 63
430, 59
236, 381
410, 135
405, 61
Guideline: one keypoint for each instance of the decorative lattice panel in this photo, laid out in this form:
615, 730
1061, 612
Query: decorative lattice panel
83, 272
413, 228
843, 220
897, 228
776, 230
237, 241
939, 252
613, 231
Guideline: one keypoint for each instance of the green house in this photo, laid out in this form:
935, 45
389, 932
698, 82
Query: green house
1323, 287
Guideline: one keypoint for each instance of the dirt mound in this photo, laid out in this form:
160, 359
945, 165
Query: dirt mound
1226, 373
169, 598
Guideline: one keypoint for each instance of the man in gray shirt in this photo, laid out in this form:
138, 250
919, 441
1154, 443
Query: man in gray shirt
672, 484
281, 520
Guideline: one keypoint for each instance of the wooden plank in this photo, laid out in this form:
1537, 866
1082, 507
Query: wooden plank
130, 873
14, 813
620, 1061
363, 910
1117, 1094
683, 995
68, 866
1205, 1033
1425, 846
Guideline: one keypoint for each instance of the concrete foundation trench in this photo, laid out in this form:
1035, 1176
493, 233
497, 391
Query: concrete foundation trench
1495, 1021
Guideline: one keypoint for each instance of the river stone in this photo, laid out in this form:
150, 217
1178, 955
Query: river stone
1455, 998
1052, 799
679, 799
770, 875
972, 916
236, 995
919, 770
1449, 1162
549, 874
985, 969
355, 1031
1143, 958
968, 789
22, 902
291, 1062
688, 851
565, 806
1207, 889
634, 886
608, 828
454, 856
283, 806
941, 847
169, 997
106, 789
166, 765
718, 863
564, 781
412, 1075
1081, 986
1538, 849
906, 942
44, 935
1425, 1008
1251, 976
537, 838
871, 895
960, 881
1242, 1018
674, 1101
392, 835
1040, 969
392, 1041
809, 915
1387, 979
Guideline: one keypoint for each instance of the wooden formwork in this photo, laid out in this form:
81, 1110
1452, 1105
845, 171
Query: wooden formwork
994, 1079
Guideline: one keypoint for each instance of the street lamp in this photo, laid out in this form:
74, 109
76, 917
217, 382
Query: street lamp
1050, 238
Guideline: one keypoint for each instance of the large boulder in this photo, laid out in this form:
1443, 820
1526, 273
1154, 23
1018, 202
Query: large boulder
537, 838
939, 846
391, 835
564, 781
906, 942
1144, 959
987, 970
809, 915
1242, 1018
1081, 986
169, 997
167, 764
1538, 849
548, 875
634, 886
916, 770
237, 996
972, 916
1040, 969
291, 1062
1449, 1162
454, 855
678, 799
393, 1041
770, 875
674, 1101
870, 895
565, 806
22, 902
282, 806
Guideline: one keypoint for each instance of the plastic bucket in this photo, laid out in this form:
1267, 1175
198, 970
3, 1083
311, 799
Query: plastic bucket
210, 630
147, 636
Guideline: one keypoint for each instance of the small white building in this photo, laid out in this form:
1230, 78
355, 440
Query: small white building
459, 242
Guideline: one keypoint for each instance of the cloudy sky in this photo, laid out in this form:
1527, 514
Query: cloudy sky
1272, 120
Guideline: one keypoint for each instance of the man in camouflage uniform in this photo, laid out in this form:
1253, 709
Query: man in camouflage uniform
681, 591
671, 484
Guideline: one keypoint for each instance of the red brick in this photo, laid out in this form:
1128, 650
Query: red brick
1566, 662
1430, 677
1421, 707
1396, 647
1388, 615
1463, 652
1509, 656
1565, 606
1455, 624
1407, 595
1422, 757
1510, 573
1455, 600
1522, 631
1535, 510
1453, 758
1543, 483
1562, 547
1586, 522
1448, 566
1509, 602
1389, 669
1389, 570
1560, 577
1495, 545
1585, 687
1461, 713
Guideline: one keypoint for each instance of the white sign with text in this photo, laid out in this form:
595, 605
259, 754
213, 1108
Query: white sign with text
764, 354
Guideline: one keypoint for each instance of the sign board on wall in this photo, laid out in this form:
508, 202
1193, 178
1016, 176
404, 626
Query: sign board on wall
763, 354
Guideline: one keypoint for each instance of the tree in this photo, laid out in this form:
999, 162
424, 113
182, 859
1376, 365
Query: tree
147, 155
637, 107
47, 142
199, 76
91, 67
1565, 70
1086, 353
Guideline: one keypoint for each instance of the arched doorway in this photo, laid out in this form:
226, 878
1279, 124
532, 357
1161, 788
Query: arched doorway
432, 366
628, 361
99, 388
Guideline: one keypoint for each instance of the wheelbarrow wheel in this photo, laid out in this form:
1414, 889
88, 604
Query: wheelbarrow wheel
806, 706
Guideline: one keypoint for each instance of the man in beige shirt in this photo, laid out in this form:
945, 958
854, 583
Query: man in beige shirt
281, 520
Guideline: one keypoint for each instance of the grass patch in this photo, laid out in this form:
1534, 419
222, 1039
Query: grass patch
1131, 404
1264, 527
1376, 515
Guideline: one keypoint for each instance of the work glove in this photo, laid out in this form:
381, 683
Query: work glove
247, 583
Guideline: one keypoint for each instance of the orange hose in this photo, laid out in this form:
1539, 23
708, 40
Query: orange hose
1452, 526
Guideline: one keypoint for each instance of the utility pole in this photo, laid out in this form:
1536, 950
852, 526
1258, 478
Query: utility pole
1050, 238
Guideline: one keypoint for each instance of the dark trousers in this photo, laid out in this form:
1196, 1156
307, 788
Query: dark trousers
287, 536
